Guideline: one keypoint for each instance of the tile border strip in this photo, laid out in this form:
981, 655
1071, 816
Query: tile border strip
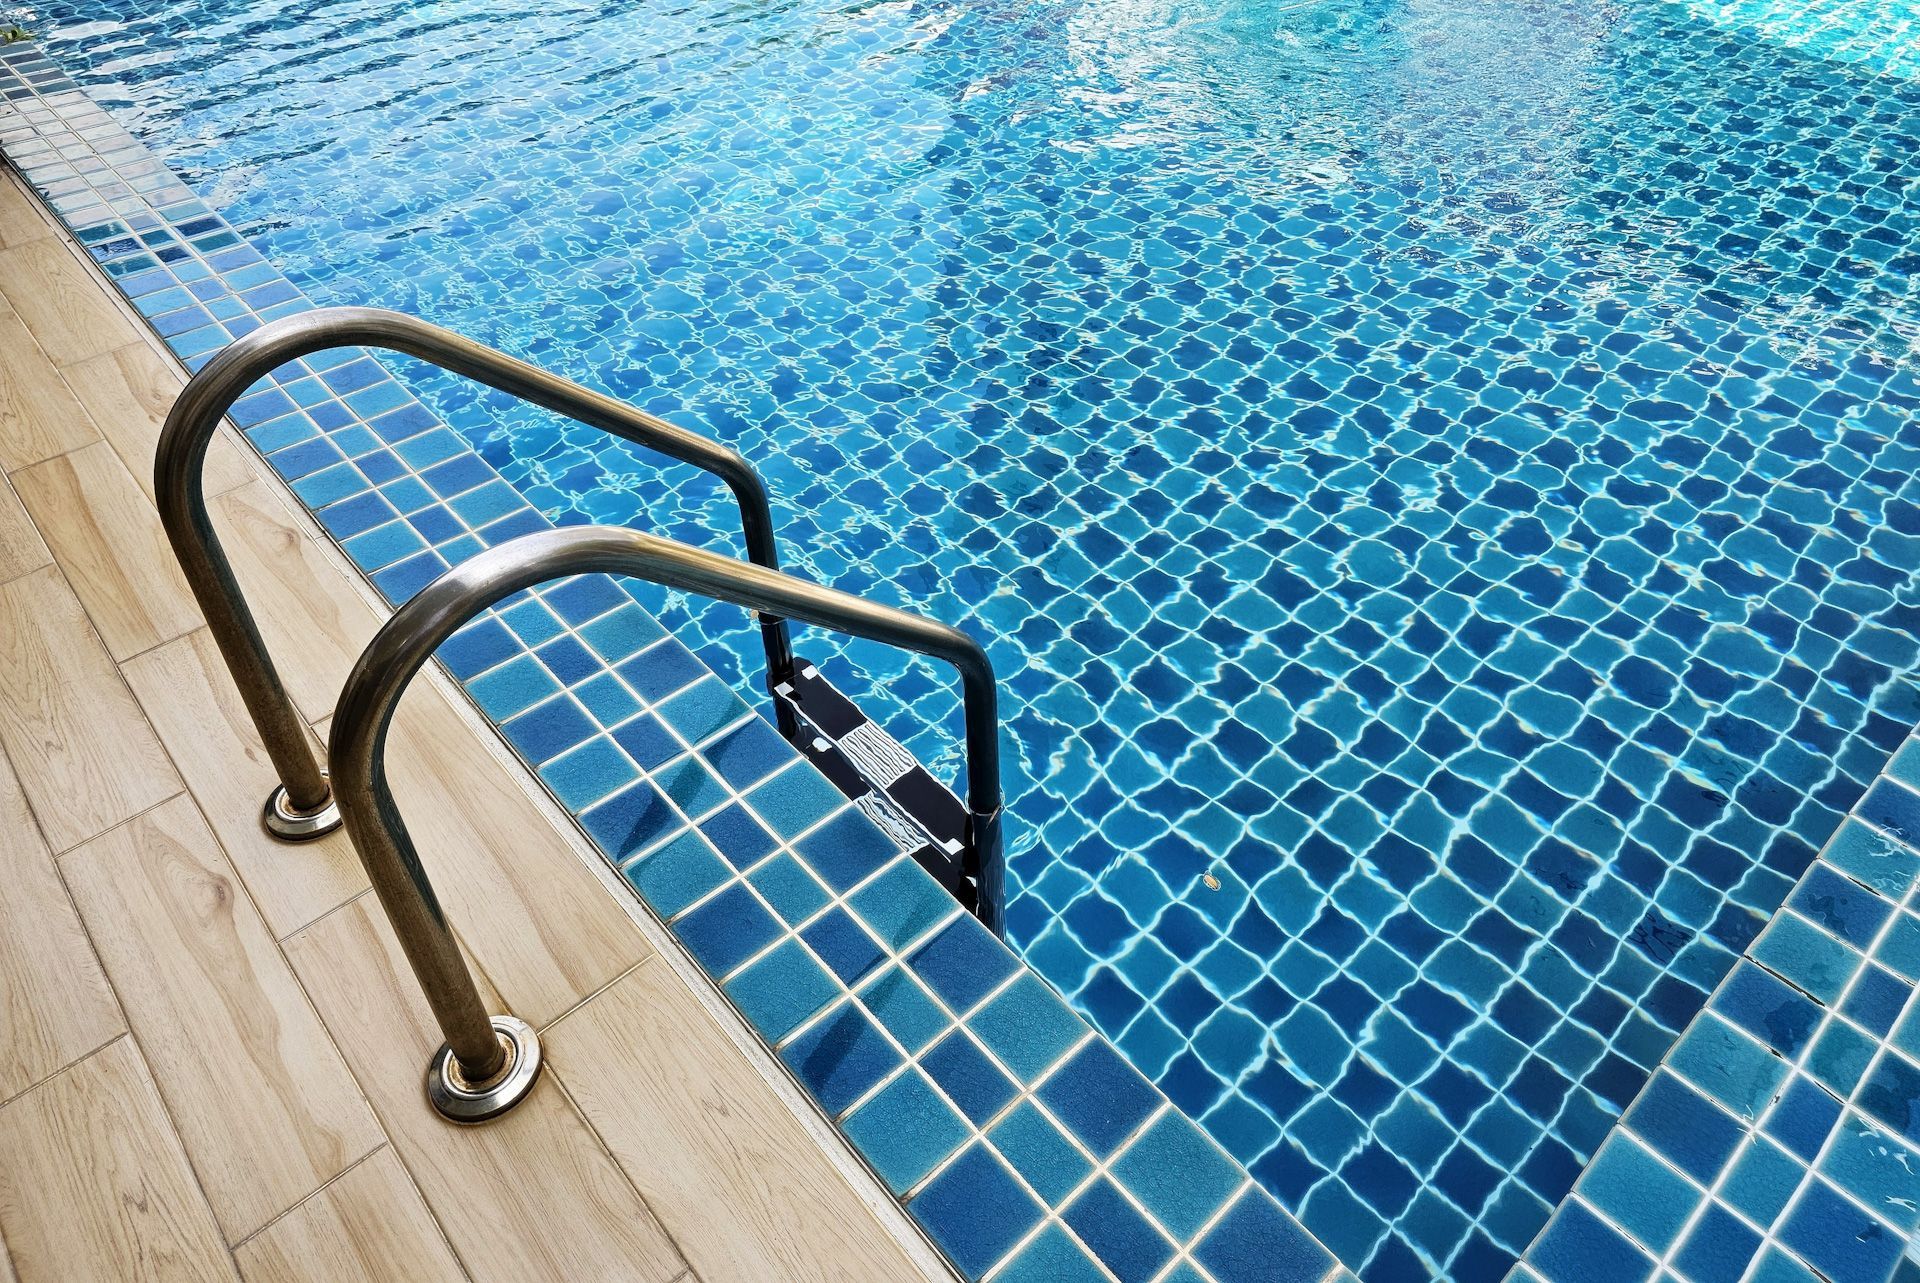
1020, 1142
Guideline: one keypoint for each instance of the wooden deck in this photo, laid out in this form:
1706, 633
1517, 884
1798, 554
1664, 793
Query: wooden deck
210, 1049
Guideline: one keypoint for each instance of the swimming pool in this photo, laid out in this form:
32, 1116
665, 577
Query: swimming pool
1439, 476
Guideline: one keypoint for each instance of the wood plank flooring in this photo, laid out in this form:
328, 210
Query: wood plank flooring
210, 1047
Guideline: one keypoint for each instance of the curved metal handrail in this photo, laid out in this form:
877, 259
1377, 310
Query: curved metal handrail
302, 807
475, 1071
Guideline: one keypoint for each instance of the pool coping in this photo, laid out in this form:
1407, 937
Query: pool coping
1015, 1137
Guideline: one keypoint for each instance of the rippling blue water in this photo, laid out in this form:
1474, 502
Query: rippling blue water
1437, 474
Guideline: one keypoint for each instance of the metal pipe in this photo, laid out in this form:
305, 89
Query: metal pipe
302, 806
356, 750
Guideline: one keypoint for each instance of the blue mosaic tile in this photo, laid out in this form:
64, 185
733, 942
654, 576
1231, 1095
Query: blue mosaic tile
975, 1210
1051, 1165
1125, 1241
781, 989
1099, 1097
905, 1130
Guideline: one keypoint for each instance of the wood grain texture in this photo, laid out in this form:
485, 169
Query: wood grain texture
64, 302
94, 1187
128, 392
20, 217
730, 1172
266, 1109
55, 1005
315, 623
531, 1195
39, 416
85, 756
367, 1227
191, 701
107, 537
535, 918
21, 547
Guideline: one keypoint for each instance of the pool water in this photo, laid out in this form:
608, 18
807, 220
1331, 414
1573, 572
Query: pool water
1436, 475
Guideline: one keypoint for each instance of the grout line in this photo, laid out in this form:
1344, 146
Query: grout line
583, 1001
323, 1187
67, 1068
573, 1103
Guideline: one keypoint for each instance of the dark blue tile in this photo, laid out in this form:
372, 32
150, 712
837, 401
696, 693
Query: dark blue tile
1718, 1248
1102, 1099
1841, 905
1684, 1127
584, 597
1876, 999
353, 375
1779, 1016
1578, 1247
478, 647
1891, 1095
659, 671
646, 741
1839, 1240
962, 962
738, 836
547, 730
843, 945
748, 753
568, 660
631, 820
1803, 1118
1123, 1240
727, 930
400, 582
968, 1077
461, 473
1893, 808
975, 1211
350, 517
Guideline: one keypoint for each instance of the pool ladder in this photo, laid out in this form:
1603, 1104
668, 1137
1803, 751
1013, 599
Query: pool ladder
489, 1063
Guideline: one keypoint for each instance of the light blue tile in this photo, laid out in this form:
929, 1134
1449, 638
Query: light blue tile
905, 1130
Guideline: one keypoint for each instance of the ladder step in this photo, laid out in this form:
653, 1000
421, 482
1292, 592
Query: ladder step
870, 767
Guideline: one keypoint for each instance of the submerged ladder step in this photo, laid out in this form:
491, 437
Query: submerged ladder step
923, 816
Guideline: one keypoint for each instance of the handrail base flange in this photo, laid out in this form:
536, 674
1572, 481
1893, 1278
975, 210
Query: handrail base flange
457, 1102
280, 820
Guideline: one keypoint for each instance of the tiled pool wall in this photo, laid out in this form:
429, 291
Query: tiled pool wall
1777, 1142
1019, 1140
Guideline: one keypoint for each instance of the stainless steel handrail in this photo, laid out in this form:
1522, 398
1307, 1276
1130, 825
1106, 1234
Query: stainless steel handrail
302, 807
482, 1069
